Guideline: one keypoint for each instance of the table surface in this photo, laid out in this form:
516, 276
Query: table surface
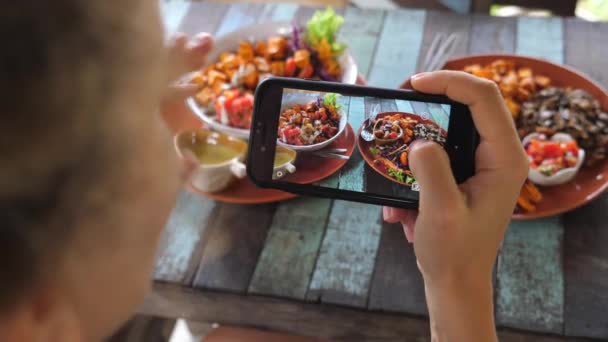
332, 268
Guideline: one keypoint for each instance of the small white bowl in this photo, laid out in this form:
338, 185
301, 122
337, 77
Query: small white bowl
214, 177
290, 100
262, 31
561, 176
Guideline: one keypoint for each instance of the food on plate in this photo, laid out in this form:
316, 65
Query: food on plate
516, 84
549, 157
390, 149
310, 123
312, 52
572, 111
529, 197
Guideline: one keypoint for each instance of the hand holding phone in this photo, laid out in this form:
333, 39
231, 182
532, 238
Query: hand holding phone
459, 228
352, 142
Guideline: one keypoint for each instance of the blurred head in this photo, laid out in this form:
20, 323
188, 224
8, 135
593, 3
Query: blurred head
88, 173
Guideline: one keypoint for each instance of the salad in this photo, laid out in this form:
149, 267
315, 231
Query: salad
549, 157
311, 123
309, 52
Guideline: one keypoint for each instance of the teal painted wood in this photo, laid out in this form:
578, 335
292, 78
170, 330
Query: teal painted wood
361, 29
398, 48
492, 34
179, 250
530, 277
460, 6
446, 24
346, 260
351, 175
287, 261
172, 13
541, 37
530, 280
278, 12
440, 116
239, 15
404, 106
446, 108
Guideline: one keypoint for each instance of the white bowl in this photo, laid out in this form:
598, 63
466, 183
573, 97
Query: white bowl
293, 99
262, 31
561, 176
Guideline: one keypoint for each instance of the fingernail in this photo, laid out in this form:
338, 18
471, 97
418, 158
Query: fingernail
419, 76
387, 213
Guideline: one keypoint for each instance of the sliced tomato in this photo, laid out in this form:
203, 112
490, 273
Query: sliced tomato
290, 67
552, 149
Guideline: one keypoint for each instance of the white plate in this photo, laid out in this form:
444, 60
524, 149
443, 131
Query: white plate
304, 98
230, 42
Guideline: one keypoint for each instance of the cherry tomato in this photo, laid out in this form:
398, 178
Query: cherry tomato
551, 149
393, 135
290, 67
306, 72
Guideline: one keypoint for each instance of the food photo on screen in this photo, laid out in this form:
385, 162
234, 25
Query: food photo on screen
354, 143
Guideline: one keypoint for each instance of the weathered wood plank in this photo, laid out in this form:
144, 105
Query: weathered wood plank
541, 37
346, 260
492, 34
306, 319
445, 23
239, 15
586, 229
583, 48
352, 174
361, 29
397, 284
586, 270
439, 115
231, 250
404, 106
530, 290
180, 244
530, 277
290, 251
397, 54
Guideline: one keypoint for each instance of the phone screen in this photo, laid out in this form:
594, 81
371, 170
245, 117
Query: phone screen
354, 143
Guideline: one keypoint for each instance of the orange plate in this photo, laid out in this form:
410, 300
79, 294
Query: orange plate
363, 145
590, 182
309, 169
178, 117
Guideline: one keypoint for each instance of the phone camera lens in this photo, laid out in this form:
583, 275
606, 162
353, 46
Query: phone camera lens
263, 148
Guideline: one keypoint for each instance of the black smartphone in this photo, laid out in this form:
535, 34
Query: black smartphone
351, 142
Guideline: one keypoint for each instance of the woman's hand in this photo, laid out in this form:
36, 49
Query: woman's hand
458, 229
184, 56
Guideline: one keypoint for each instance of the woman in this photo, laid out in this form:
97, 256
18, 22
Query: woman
89, 176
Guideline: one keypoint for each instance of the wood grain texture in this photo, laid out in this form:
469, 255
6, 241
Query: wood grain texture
361, 29
352, 174
586, 233
530, 290
586, 270
444, 23
397, 54
346, 260
540, 37
290, 251
180, 250
230, 254
492, 34
584, 50
397, 284
305, 319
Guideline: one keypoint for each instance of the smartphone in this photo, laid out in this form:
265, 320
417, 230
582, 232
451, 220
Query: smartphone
351, 142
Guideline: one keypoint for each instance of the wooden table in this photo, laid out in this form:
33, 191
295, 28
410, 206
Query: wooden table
332, 268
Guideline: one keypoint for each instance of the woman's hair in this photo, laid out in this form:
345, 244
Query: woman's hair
58, 64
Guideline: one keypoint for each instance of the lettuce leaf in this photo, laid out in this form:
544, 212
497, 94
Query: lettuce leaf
331, 99
325, 24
